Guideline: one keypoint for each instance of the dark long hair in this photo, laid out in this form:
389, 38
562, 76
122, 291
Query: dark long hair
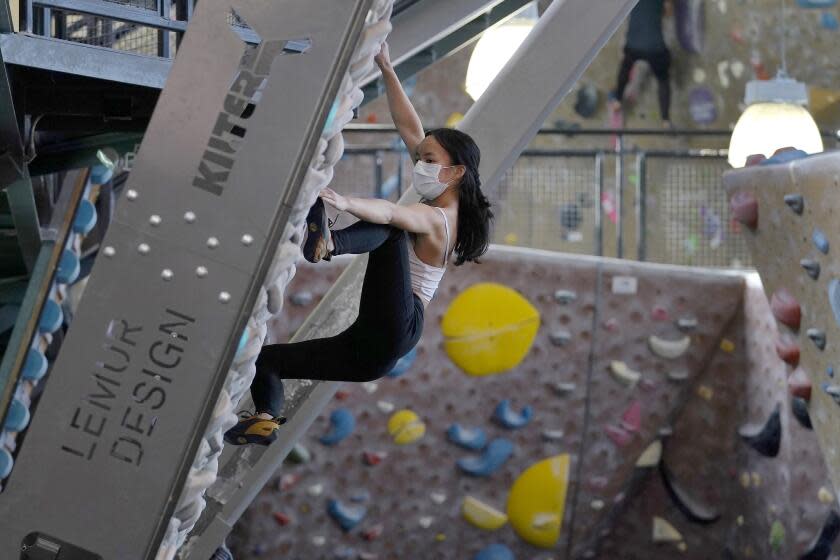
474, 214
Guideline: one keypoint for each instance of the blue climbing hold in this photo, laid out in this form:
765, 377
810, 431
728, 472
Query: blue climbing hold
6, 463
18, 416
342, 552
346, 516
830, 371
829, 21
68, 267
816, 3
494, 552
85, 217
331, 116
51, 317
510, 419
468, 438
834, 299
100, 174
498, 451
404, 364
243, 341
360, 496
35, 365
342, 424
785, 157
820, 241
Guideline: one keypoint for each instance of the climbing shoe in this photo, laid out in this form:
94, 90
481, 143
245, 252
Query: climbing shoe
253, 429
317, 233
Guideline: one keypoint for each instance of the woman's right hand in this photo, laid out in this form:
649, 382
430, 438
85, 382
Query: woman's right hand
383, 59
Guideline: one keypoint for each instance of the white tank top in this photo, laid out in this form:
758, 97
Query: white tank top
425, 278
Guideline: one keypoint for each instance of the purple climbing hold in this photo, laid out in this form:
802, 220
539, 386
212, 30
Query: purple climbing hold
494, 552
702, 106
691, 24
820, 241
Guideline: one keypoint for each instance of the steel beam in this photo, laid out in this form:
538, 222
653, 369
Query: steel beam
190, 244
503, 122
113, 11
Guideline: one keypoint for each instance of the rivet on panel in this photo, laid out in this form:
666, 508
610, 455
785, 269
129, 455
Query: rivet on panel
109, 251
201, 272
131, 194
155, 220
167, 274
212, 242
224, 297
247, 239
143, 249
189, 217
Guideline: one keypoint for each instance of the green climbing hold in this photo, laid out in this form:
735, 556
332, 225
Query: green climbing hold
299, 454
777, 536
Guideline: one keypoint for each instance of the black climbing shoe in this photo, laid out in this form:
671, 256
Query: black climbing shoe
253, 429
317, 233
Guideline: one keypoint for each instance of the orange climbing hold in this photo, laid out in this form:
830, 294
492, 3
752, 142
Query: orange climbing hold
799, 384
788, 350
786, 309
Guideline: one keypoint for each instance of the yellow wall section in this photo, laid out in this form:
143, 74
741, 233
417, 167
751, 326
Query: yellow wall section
489, 328
537, 501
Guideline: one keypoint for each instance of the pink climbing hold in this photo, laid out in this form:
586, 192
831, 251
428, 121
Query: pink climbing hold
786, 309
373, 458
618, 435
659, 313
373, 533
612, 325
631, 421
288, 480
744, 207
799, 384
788, 350
755, 159
281, 518
647, 385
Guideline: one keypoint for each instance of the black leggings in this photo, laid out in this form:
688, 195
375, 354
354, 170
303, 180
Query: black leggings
389, 324
660, 62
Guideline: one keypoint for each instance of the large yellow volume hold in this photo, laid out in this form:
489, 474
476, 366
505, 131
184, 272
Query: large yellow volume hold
489, 328
537, 501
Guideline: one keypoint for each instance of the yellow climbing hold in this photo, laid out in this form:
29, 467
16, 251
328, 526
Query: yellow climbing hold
706, 392
682, 546
405, 426
825, 496
489, 328
482, 515
651, 455
664, 531
622, 373
453, 119
440, 537
727, 345
511, 239
537, 501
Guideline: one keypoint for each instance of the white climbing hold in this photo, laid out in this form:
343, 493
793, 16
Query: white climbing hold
370, 387
385, 406
687, 324
668, 349
624, 374
678, 375
552, 435
737, 68
699, 75
722, 68
563, 389
560, 337
426, 522
438, 497
319, 540
597, 505
650, 457
315, 490
564, 296
664, 531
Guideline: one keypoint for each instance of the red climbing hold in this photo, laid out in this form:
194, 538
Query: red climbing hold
612, 325
373, 458
799, 384
373, 532
783, 150
281, 518
786, 309
755, 159
744, 207
659, 313
341, 395
788, 351
632, 418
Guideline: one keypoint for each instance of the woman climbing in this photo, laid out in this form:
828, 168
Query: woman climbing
409, 248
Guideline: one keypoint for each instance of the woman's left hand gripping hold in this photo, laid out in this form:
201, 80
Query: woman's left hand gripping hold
337, 201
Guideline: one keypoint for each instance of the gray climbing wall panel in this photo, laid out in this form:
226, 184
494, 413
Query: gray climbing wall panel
705, 453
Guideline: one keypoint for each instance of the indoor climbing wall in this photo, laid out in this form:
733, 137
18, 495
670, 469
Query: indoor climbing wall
618, 362
787, 204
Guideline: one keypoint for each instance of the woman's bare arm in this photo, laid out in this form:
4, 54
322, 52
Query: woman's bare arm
415, 218
405, 117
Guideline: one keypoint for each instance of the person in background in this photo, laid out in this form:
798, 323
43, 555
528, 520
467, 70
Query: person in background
645, 41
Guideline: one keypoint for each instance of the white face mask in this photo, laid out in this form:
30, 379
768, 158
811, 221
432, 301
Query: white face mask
426, 181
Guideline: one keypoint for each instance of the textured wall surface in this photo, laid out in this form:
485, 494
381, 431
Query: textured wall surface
414, 494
